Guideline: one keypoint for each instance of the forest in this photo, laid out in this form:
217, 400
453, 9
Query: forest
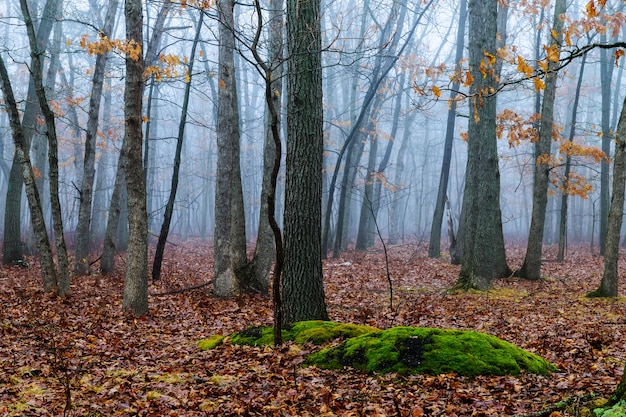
177, 173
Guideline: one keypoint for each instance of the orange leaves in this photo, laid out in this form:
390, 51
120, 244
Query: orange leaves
523, 67
571, 149
618, 54
104, 45
436, 91
591, 10
167, 67
516, 127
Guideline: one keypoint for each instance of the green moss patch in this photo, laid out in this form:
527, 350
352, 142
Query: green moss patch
314, 331
211, 342
410, 350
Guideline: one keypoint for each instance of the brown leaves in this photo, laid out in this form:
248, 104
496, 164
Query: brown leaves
119, 365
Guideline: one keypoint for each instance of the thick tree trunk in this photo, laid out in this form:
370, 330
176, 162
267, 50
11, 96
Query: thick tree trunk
303, 286
531, 268
484, 257
136, 280
606, 75
610, 278
81, 262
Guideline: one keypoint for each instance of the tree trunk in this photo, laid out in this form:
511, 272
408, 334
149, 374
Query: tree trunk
136, 280
12, 246
531, 268
265, 243
568, 162
169, 208
484, 256
48, 270
606, 74
303, 286
434, 245
81, 262
228, 193
610, 278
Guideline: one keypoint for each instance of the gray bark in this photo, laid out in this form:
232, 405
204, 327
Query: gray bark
136, 280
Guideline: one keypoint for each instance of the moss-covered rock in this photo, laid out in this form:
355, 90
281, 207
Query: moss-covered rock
410, 350
617, 410
313, 331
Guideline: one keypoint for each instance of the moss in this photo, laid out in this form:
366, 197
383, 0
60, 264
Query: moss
617, 410
210, 343
314, 331
409, 350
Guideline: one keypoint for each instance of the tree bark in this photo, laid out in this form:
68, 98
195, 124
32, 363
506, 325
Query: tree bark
81, 262
434, 245
303, 286
169, 208
610, 278
484, 256
531, 268
229, 219
568, 162
136, 280
264, 250
48, 270
12, 247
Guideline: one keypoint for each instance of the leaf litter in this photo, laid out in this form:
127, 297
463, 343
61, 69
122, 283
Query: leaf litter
85, 357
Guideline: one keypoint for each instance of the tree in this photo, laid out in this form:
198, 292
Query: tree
12, 247
303, 287
266, 237
434, 246
610, 278
484, 257
169, 208
81, 261
531, 268
48, 270
136, 281
230, 229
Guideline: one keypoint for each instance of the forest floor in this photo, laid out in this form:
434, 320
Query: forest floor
84, 357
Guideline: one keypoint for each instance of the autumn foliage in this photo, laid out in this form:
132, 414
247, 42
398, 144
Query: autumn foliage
83, 354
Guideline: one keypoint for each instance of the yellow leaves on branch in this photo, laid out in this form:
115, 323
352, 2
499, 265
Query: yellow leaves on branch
523, 67
167, 67
104, 45
571, 149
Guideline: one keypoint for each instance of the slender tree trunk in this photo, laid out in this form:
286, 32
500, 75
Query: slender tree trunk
434, 245
303, 286
484, 257
610, 278
531, 268
48, 270
136, 281
169, 208
12, 246
606, 75
265, 243
568, 163
228, 183
81, 262
98, 224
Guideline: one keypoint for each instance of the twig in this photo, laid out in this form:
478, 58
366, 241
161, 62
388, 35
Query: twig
180, 290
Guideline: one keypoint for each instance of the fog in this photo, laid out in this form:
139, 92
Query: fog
405, 103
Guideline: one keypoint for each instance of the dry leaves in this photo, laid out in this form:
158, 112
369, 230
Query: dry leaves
83, 354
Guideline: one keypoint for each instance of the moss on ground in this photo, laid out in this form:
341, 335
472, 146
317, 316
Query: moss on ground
410, 350
405, 350
314, 331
